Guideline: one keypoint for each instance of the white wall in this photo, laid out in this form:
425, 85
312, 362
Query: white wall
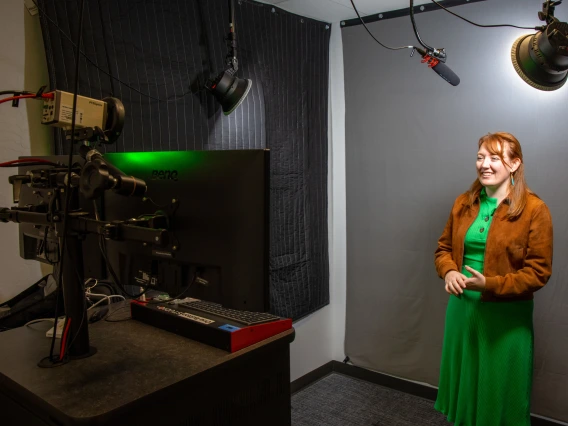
23, 67
320, 337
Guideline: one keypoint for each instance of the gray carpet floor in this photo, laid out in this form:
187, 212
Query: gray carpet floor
338, 400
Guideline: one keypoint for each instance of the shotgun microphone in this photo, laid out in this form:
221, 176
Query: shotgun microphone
439, 67
446, 73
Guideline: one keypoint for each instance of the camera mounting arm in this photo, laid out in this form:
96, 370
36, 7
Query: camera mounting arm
98, 175
116, 230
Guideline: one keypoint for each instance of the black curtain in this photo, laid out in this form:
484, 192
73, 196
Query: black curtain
163, 51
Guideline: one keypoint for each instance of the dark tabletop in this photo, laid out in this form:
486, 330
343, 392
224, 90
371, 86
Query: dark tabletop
132, 360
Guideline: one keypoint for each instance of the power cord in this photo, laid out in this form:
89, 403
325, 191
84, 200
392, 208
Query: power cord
371, 34
103, 32
151, 302
416, 30
105, 299
429, 48
169, 99
480, 25
102, 247
68, 197
52, 320
26, 162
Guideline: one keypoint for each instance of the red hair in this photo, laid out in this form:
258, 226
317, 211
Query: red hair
496, 144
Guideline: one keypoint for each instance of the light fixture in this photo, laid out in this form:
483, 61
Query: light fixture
541, 59
228, 89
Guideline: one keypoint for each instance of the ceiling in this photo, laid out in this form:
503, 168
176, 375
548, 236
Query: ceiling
338, 10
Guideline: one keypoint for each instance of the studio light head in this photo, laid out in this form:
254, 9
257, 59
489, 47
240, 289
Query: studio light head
228, 89
541, 59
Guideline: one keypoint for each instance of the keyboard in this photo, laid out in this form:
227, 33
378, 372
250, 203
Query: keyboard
244, 317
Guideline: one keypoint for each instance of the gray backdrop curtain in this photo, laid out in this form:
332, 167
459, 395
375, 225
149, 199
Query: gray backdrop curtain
411, 146
167, 49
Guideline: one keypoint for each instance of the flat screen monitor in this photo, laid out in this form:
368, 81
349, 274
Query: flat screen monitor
215, 205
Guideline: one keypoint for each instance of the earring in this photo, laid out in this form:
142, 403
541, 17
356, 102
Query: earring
512, 180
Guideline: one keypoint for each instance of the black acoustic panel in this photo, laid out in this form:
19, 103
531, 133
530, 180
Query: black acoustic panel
163, 52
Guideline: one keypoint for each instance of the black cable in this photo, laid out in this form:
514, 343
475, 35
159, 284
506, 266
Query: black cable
179, 295
46, 251
102, 247
115, 278
111, 77
70, 343
57, 297
480, 25
155, 204
68, 195
416, 29
374, 38
106, 48
169, 99
13, 92
51, 211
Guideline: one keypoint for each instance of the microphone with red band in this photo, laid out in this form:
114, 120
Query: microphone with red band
439, 67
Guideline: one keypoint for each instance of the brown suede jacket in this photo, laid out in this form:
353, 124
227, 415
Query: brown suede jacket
518, 253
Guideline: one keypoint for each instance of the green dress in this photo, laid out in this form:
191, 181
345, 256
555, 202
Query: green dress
487, 358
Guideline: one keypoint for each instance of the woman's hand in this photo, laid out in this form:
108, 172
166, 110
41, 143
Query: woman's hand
455, 282
477, 280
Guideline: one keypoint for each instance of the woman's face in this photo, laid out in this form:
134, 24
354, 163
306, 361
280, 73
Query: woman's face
490, 169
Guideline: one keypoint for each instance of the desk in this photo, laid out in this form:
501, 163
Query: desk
144, 376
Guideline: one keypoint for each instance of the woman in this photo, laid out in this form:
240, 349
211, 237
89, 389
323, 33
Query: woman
494, 253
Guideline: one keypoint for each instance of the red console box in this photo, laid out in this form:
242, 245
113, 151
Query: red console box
216, 331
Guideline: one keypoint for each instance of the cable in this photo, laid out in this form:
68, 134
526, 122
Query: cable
37, 161
87, 281
20, 165
106, 299
169, 99
63, 339
33, 95
69, 171
155, 204
107, 285
416, 29
480, 25
105, 44
41, 320
106, 48
386, 47
102, 247
179, 295
16, 92
51, 211
45, 248
57, 297
13, 98
106, 296
81, 323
